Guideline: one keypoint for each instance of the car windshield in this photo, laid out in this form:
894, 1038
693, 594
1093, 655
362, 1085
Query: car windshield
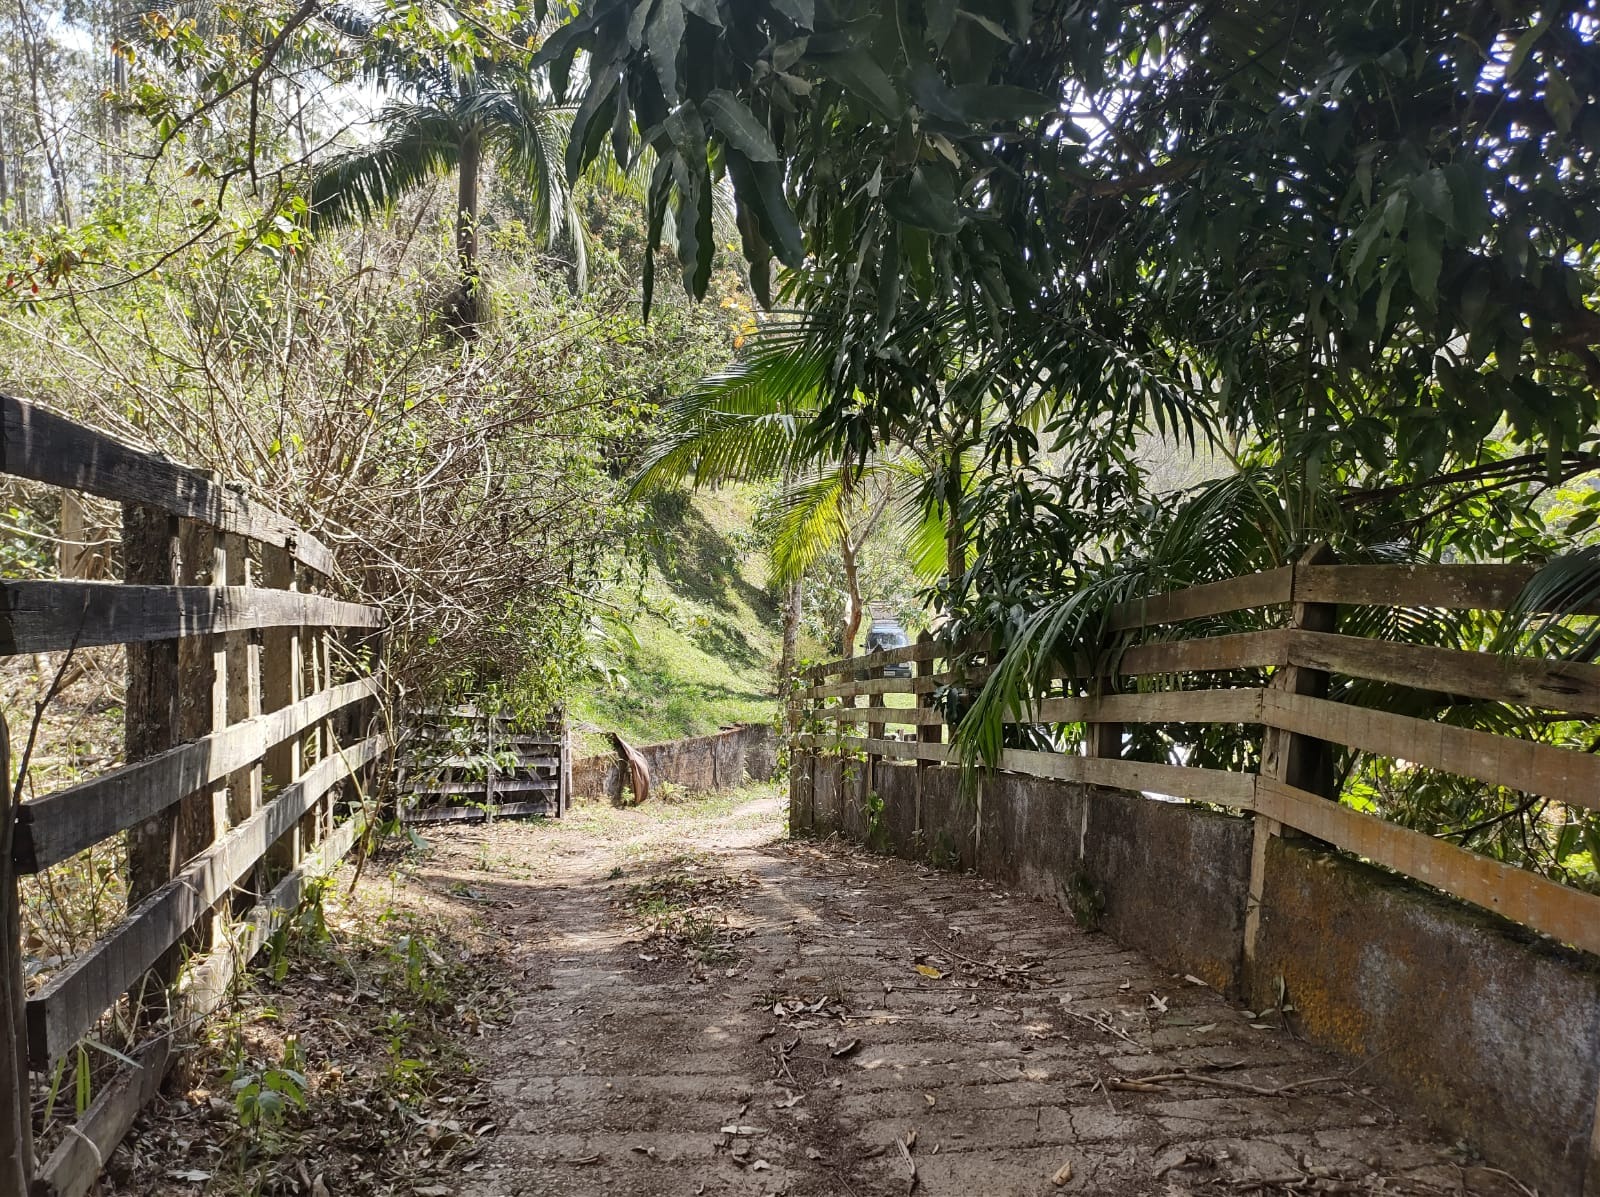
882, 638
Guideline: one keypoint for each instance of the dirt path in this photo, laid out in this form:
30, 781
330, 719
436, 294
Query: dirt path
699, 1006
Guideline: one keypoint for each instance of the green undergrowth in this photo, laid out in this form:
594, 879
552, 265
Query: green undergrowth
705, 632
344, 1062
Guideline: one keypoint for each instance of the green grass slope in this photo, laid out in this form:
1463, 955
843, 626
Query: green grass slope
707, 631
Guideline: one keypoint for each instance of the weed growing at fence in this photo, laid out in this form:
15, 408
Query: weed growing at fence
345, 1066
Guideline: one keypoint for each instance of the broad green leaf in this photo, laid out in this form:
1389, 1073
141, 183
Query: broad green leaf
663, 37
740, 126
801, 12
986, 105
1424, 252
706, 10
859, 74
1526, 43
760, 185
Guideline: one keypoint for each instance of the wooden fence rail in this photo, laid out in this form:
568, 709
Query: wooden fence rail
252, 740
1190, 677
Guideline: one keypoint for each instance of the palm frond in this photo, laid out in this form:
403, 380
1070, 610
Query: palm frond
809, 525
531, 136
419, 142
745, 423
1542, 618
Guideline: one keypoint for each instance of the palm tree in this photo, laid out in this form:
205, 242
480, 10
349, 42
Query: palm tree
750, 422
445, 115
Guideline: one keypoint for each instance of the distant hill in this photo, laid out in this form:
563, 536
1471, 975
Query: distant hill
707, 631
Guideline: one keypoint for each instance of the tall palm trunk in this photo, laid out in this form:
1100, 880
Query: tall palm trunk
955, 545
468, 310
793, 595
852, 587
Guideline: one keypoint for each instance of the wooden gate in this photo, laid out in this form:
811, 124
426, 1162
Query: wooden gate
468, 764
252, 738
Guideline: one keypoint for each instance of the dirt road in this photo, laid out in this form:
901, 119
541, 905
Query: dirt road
700, 1006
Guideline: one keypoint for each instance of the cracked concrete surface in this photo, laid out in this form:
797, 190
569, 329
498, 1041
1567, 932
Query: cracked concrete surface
821, 1059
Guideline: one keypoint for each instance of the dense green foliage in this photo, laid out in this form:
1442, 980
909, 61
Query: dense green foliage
1350, 250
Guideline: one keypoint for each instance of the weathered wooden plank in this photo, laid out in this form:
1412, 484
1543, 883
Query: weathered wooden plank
1204, 785
1557, 685
480, 814
1172, 706
895, 750
1456, 587
1560, 773
56, 826
1565, 914
16, 1112
48, 448
502, 785
1241, 650
1211, 598
206, 985
910, 716
75, 1164
896, 685
50, 616
888, 656
68, 1006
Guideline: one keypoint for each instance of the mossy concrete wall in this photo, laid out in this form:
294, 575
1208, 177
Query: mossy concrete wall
1493, 1032
1490, 1031
699, 765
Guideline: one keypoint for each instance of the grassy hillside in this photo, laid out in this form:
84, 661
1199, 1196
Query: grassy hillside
707, 632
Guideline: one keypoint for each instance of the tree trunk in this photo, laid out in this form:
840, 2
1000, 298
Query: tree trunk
955, 546
793, 593
852, 585
468, 309
16, 1116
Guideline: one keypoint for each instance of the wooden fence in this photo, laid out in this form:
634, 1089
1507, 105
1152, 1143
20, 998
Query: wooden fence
1287, 663
468, 764
251, 717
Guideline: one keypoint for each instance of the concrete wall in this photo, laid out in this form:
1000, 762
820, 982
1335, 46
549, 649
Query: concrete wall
701, 764
1489, 1030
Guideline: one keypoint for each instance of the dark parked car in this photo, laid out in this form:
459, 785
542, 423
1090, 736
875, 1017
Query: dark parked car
885, 634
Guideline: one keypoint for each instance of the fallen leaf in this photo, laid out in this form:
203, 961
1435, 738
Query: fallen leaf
643, 1150
1158, 1005
840, 1053
192, 1175
739, 1128
1194, 980
1063, 1174
1210, 1026
761, 1166
813, 1154
927, 970
929, 1098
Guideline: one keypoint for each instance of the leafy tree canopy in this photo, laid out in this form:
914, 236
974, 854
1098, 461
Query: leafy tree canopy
1367, 230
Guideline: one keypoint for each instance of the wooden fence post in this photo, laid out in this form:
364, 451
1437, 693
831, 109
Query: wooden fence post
202, 681
1290, 757
488, 776
927, 733
875, 730
150, 718
564, 775
282, 672
16, 1111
